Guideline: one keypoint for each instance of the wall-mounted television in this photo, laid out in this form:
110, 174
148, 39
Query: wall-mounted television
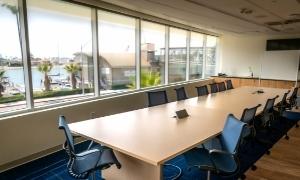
283, 44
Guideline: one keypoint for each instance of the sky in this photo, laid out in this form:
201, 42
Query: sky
53, 34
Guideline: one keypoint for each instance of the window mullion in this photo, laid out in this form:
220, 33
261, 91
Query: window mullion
167, 44
138, 53
96, 59
26, 53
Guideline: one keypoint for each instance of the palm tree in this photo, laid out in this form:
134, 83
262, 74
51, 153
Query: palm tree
45, 67
73, 69
15, 11
2, 72
148, 79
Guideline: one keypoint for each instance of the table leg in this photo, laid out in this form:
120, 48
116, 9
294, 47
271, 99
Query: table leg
133, 169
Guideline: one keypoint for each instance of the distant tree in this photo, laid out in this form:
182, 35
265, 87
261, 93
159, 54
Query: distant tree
148, 79
45, 67
2, 72
73, 69
15, 11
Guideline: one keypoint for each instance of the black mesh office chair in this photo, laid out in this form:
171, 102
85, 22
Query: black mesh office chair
219, 155
214, 88
280, 108
202, 90
180, 93
248, 117
229, 84
221, 86
82, 165
267, 117
156, 98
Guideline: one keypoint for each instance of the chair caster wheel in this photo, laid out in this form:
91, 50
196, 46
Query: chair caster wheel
287, 137
268, 152
243, 176
253, 167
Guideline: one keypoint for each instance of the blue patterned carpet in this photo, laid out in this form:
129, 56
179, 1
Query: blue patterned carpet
53, 167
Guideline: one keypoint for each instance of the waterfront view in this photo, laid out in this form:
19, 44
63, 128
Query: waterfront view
61, 54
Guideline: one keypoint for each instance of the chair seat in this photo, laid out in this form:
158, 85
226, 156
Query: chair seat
201, 157
98, 157
214, 143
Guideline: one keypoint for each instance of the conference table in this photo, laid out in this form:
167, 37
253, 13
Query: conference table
144, 139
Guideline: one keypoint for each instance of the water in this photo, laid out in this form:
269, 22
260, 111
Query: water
16, 76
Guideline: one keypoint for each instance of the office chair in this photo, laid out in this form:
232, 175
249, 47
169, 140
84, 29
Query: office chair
221, 86
82, 165
280, 108
229, 84
202, 90
180, 93
267, 117
248, 117
219, 155
156, 98
214, 88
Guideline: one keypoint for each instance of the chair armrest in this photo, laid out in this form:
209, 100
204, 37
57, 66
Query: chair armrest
88, 152
217, 151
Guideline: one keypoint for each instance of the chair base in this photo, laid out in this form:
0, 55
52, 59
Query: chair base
179, 171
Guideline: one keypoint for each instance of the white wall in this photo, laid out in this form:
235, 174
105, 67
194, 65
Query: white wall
239, 52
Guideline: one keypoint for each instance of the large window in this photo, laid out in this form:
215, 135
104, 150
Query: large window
196, 55
211, 61
117, 52
152, 54
12, 88
177, 55
61, 36
61, 51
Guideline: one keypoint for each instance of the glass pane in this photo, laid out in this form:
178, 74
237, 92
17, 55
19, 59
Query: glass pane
211, 46
196, 55
177, 55
117, 52
61, 46
152, 54
12, 88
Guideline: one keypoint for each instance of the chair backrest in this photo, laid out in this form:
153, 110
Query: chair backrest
249, 114
231, 134
284, 97
229, 84
156, 98
293, 97
221, 86
202, 90
269, 105
62, 124
181, 94
214, 88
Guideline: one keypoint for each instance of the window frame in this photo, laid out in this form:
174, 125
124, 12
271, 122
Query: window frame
139, 17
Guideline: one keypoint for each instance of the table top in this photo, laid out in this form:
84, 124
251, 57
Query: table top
153, 135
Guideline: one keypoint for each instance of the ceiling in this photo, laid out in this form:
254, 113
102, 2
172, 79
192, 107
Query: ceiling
223, 16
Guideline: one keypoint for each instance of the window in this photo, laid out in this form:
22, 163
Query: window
196, 55
12, 87
60, 39
152, 54
177, 55
211, 46
61, 53
117, 52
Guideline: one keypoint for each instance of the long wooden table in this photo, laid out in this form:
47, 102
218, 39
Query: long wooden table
146, 138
